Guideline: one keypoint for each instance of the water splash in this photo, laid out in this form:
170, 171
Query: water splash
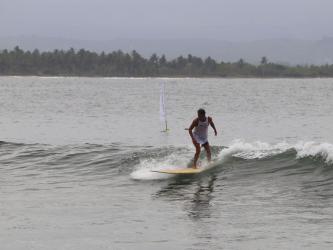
260, 150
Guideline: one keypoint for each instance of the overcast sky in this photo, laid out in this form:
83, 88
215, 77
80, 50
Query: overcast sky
231, 20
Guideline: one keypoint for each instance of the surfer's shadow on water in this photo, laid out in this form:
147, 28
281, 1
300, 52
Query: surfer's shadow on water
195, 192
201, 202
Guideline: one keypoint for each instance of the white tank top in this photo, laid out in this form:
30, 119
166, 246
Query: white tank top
202, 129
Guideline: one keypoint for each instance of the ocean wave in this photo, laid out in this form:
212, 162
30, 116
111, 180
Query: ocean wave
138, 161
261, 150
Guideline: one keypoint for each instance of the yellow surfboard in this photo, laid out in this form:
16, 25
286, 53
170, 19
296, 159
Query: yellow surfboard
181, 171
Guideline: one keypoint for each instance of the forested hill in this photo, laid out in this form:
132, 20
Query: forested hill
87, 63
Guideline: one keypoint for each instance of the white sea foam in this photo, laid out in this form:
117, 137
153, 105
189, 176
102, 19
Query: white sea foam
324, 150
144, 170
259, 150
254, 150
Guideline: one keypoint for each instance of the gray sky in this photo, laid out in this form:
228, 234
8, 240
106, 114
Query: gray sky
231, 20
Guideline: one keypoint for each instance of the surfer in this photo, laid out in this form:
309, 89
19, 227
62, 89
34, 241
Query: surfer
200, 134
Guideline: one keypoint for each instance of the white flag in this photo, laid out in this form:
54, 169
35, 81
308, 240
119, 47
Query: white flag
162, 102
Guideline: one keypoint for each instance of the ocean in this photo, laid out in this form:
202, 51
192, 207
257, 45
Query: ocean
76, 156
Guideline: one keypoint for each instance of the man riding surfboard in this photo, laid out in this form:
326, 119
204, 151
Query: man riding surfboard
200, 134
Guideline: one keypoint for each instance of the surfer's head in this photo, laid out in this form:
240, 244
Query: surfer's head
201, 114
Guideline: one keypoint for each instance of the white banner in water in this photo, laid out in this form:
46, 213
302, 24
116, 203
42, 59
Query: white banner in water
162, 102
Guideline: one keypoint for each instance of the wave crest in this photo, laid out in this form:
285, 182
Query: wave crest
261, 150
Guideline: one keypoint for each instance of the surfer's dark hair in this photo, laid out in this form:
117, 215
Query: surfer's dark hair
201, 112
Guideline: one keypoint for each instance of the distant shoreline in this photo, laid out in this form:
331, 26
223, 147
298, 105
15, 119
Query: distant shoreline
84, 63
161, 77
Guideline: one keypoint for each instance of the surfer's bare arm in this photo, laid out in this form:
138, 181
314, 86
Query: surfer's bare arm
212, 124
194, 124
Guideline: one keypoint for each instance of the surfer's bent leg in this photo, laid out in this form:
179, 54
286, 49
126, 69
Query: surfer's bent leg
207, 147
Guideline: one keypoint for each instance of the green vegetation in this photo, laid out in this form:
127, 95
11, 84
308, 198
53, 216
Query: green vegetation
118, 63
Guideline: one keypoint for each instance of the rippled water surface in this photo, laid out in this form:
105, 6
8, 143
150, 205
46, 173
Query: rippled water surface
76, 156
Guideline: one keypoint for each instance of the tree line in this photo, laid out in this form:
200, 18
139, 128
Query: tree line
118, 63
